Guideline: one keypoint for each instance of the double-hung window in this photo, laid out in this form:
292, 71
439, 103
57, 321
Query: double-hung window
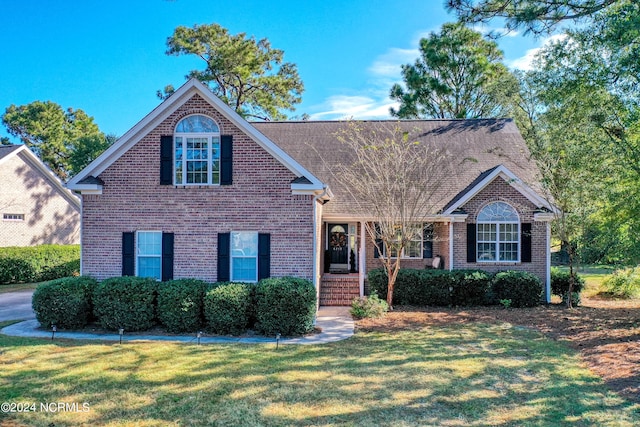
498, 233
149, 254
197, 151
244, 256
419, 244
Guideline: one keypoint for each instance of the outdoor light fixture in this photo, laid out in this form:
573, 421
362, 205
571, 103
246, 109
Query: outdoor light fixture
199, 335
277, 340
121, 332
54, 329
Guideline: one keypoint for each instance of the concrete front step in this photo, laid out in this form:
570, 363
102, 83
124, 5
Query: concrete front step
339, 290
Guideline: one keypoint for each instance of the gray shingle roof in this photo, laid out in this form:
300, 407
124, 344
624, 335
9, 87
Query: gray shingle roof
479, 145
5, 150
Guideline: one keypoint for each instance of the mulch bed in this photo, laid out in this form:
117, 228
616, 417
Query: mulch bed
605, 332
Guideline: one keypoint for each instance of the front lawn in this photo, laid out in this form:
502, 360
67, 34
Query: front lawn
456, 375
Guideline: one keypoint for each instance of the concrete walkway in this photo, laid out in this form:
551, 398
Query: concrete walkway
16, 305
335, 322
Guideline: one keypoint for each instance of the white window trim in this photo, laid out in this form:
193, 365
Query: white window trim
402, 255
231, 257
137, 252
497, 242
210, 159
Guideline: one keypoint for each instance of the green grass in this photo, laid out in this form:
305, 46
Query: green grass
474, 374
18, 287
593, 275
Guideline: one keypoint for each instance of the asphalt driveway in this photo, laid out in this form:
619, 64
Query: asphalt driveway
16, 306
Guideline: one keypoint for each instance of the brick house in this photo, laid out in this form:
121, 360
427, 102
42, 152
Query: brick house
194, 190
35, 207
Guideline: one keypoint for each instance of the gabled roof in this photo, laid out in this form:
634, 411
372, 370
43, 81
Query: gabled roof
82, 182
480, 148
27, 156
487, 177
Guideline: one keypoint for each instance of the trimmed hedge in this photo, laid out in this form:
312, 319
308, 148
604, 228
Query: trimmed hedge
227, 308
522, 288
38, 263
64, 302
126, 302
180, 304
285, 305
434, 287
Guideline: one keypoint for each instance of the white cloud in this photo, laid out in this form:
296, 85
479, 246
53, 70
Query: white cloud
389, 63
525, 63
354, 107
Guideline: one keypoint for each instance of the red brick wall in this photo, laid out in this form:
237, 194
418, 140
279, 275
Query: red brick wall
259, 200
499, 190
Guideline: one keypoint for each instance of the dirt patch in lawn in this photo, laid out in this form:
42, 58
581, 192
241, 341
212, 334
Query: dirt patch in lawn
605, 332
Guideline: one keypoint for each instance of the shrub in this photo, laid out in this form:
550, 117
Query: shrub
368, 307
522, 288
434, 287
38, 263
180, 304
470, 287
15, 270
285, 305
126, 302
560, 282
227, 308
623, 283
64, 302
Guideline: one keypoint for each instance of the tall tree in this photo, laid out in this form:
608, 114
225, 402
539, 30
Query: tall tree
394, 180
459, 74
50, 131
248, 74
535, 16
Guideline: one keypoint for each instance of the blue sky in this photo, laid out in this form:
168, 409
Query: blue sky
108, 57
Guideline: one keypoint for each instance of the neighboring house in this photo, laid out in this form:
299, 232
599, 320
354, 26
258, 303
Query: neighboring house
194, 190
35, 207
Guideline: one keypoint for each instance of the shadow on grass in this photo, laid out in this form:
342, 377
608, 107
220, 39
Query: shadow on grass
453, 375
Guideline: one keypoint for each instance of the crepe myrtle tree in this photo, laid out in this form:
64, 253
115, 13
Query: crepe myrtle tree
394, 181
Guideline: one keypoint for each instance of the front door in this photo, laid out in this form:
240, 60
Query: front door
339, 248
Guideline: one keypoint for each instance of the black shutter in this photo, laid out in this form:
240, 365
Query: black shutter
379, 243
226, 159
471, 243
128, 254
167, 256
427, 241
166, 160
525, 241
224, 259
264, 256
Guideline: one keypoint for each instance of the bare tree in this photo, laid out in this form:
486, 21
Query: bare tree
395, 182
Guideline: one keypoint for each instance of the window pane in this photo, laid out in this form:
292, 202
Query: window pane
197, 124
414, 249
486, 232
486, 252
149, 243
150, 267
244, 269
509, 232
508, 252
498, 211
244, 244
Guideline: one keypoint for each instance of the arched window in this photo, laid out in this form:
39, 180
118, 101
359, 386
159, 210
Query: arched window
498, 233
197, 151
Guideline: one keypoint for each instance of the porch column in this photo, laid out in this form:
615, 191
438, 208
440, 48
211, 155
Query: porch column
450, 245
362, 262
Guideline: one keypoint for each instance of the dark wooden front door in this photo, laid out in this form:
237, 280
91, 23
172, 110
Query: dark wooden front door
339, 245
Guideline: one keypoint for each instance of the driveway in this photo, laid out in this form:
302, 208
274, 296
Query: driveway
16, 306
